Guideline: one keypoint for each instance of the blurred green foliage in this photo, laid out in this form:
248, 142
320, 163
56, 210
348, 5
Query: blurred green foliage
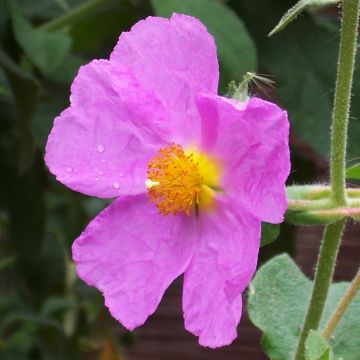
45, 312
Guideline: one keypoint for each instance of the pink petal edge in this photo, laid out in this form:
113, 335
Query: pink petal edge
132, 254
175, 59
221, 269
102, 144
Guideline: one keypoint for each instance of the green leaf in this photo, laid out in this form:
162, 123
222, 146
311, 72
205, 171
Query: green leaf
317, 348
277, 302
236, 50
25, 94
103, 24
353, 172
297, 9
6, 262
47, 51
62, 4
67, 70
269, 233
309, 53
303, 61
55, 304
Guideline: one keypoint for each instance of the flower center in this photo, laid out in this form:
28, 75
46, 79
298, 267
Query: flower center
179, 181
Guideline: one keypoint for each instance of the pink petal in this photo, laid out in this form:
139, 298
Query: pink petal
251, 140
101, 145
219, 272
175, 59
131, 253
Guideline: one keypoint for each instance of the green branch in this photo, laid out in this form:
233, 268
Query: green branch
342, 307
72, 16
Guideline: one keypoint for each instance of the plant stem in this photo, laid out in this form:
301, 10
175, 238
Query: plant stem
348, 41
323, 276
72, 16
342, 307
333, 232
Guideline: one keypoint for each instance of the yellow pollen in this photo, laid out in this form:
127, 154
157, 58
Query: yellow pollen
179, 181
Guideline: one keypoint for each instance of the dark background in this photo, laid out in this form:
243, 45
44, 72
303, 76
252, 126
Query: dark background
45, 311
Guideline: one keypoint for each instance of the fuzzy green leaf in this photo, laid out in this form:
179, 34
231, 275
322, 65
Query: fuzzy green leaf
269, 233
297, 9
317, 348
277, 302
353, 172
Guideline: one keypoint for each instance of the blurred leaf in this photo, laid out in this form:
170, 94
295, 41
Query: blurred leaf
269, 233
306, 92
55, 304
47, 273
46, 50
27, 222
105, 23
353, 172
277, 302
6, 261
317, 348
236, 50
303, 61
68, 69
48, 108
25, 92
40, 8
4, 84
62, 4
22, 339
93, 206
297, 9
6, 354
22, 317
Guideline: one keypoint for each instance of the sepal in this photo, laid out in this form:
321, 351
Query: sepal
312, 205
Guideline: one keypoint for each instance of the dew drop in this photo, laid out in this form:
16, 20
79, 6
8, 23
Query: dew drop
69, 169
103, 160
116, 185
100, 148
121, 174
96, 179
100, 172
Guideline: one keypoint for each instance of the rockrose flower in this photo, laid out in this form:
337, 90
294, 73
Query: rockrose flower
193, 175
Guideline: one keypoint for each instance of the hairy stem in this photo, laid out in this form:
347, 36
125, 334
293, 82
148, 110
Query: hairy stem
72, 16
333, 232
349, 31
323, 276
342, 307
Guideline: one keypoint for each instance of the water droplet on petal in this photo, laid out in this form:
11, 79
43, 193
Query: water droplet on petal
116, 185
121, 174
69, 169
96, 179
100, 148
100, 172
103, 160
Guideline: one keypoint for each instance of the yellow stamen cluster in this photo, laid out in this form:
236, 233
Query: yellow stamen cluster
174, 180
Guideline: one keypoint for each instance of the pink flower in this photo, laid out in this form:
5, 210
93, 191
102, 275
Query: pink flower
193, 174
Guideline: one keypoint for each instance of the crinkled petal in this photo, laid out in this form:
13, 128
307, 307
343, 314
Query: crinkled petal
251, 141
219, 272
101, 145
131, 253
175, 59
